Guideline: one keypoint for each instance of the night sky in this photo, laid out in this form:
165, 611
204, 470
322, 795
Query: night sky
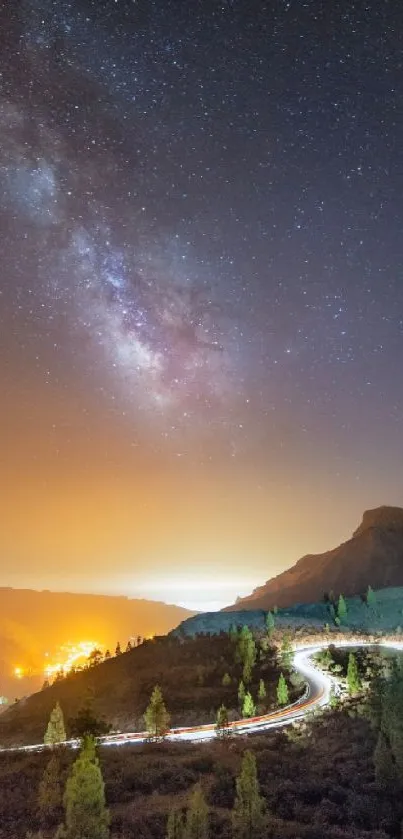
201, 310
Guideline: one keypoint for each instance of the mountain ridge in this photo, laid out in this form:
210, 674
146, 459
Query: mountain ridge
372, 556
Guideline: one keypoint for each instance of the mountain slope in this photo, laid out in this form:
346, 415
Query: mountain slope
33, 623
373, 556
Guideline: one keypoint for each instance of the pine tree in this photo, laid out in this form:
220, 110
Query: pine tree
353, 677
222, 724
118, 650
175, 825
371, 598
50, 792
196, 826
262, 691
249, 807
241, 693
282, 691
233, 633
246, 649
156, 716
129, 646
84, 799
226, 679
247, 673
248, 707
270, 623
286, 653
341, 608
95, 657
384, 764
55, 732
107, 654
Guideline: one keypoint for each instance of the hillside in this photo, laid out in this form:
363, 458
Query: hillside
386, 616
323, 785
33, 623
373, 556
189, 672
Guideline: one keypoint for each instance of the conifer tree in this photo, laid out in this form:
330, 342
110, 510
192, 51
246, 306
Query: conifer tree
86, 815
248, 707
156, 716
341, 608
107, 654
247, 673
262, 691
226, 679
371, 598
222, 724
249, 807
233, 633
50, 793
55, 732
196, 826
286, 653
129, 646
353, 677
270, 623
241, 693
282, 691
175, 825
118, 649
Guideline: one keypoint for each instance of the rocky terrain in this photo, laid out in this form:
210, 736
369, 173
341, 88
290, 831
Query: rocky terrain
373, 556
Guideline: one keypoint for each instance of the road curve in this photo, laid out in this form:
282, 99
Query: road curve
316, 695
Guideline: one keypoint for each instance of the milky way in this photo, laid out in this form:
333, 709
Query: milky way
205, 199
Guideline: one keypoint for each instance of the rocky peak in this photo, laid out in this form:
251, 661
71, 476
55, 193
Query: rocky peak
383, 518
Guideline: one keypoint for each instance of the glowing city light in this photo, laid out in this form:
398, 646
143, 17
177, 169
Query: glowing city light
70, 656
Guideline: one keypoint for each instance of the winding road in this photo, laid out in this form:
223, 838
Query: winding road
316, 695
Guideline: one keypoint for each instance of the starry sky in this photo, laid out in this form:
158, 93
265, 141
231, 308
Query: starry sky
201, 288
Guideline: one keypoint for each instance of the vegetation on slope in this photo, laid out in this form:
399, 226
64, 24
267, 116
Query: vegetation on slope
196, 677
381, 613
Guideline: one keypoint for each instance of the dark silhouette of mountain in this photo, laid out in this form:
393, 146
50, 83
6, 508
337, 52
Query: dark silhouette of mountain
373, 556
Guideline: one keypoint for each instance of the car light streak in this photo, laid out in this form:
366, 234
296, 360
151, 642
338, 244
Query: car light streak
316, 695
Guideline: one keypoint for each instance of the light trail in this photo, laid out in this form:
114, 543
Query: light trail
317, 695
